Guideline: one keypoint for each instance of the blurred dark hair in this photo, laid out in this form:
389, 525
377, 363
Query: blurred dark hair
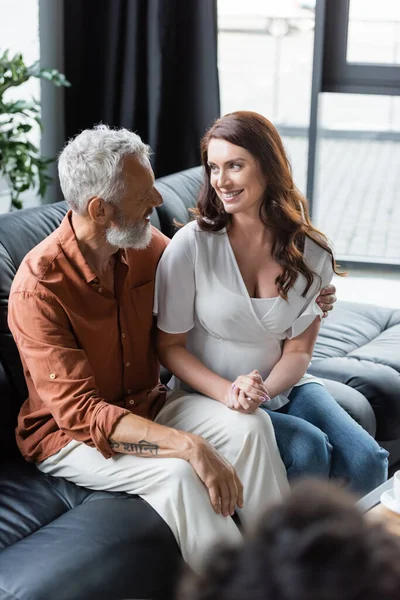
314, 546
284, 209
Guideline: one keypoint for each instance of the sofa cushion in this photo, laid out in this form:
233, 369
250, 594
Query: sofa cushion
180, 192
19, 233
30, 499
359, 344
59, 540
105, 548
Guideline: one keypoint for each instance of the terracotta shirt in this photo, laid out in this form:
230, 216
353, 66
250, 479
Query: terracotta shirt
88, 355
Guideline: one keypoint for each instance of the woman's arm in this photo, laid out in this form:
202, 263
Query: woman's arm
173, 355
296, 357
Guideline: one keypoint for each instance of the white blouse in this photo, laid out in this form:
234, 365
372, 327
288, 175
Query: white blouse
200, 290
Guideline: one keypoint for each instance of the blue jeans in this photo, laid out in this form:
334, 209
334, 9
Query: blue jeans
316, 437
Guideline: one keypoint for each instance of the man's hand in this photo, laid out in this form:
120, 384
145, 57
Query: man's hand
136, 435
220, 478
247, 393
326, 299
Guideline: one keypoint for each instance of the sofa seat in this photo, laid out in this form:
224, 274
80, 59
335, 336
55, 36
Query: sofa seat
60, 541
73, 543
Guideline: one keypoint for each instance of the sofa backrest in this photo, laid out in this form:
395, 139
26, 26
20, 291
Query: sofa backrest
180, 192
20, 231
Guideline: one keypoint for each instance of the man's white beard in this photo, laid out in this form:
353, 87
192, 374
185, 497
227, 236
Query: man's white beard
128, 235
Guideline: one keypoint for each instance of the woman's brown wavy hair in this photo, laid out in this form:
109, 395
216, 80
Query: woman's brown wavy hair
284, 209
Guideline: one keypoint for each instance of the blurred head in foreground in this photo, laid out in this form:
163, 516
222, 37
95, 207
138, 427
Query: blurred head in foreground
315, 545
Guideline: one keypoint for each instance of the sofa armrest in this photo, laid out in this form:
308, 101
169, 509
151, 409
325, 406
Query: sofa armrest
8, 447
359, 345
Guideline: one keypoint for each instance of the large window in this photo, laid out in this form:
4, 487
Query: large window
265, 58
358, 204
266, 64
353, 32
19, 33
374, 32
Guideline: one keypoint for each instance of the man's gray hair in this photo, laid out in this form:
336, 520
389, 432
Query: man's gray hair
91, 165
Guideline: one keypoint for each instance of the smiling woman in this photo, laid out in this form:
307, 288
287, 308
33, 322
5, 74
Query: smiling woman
236, 295
248, 173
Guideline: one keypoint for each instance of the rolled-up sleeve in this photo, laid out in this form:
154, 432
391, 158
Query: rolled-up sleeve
60, 371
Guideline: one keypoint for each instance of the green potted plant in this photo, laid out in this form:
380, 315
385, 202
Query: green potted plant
21, 165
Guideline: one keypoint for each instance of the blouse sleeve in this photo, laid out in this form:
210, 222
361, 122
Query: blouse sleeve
175, 288
311, 310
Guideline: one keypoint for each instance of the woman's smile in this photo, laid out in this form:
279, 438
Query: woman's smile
231, 195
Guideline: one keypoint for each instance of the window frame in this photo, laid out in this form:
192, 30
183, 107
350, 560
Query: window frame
341, 76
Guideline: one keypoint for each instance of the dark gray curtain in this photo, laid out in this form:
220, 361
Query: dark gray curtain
148, 65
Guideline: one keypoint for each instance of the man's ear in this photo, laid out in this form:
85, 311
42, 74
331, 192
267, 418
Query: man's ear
99, 211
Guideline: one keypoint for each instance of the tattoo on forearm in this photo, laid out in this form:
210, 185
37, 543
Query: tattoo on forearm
142, 447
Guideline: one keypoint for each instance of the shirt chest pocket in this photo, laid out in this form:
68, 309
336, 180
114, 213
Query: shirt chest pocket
142, 305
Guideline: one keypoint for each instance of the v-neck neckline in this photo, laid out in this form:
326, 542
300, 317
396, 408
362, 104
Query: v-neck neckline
243, 285
239, 273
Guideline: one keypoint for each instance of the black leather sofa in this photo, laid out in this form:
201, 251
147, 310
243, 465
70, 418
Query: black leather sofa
59, 541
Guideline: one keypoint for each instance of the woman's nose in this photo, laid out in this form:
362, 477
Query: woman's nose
222, 178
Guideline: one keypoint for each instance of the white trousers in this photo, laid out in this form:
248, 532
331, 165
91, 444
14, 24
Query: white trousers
171, 486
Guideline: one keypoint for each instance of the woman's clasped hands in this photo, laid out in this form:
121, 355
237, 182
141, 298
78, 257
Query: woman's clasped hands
247, 393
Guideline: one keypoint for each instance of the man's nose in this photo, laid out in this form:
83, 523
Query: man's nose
156, 198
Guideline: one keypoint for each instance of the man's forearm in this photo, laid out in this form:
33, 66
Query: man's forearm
287, 372
141, 437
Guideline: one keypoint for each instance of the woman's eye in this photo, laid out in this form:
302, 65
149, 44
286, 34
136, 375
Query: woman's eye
236, 166
213, 169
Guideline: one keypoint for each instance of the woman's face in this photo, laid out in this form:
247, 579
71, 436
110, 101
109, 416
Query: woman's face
236, 177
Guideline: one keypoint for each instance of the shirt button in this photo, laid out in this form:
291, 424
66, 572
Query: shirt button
131, 401
128, 364
129, 391
52, 376
100, 290
123, 335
